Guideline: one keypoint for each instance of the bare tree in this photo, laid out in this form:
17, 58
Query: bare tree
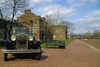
11, 9
96, 34
69, 25
56, 17
88, 35
62, 22
48, 28
71, 35
50, 20
1, 16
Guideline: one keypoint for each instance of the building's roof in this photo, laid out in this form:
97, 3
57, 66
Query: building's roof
18, 25
2, 21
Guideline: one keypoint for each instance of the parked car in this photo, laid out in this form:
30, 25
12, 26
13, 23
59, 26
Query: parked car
22, 41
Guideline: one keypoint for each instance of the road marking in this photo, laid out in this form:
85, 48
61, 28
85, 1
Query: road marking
90, 46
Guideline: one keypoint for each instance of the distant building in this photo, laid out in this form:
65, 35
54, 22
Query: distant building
59, 32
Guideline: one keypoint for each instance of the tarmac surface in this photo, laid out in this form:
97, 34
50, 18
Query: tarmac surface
76, 54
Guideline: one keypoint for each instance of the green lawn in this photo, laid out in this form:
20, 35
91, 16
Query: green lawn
66, 43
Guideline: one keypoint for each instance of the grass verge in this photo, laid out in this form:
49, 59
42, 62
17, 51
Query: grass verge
68, 42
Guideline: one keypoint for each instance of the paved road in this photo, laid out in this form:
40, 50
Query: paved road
76, 54
95, 43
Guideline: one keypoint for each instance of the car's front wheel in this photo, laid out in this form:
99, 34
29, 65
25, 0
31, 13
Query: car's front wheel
5, 56
38, 56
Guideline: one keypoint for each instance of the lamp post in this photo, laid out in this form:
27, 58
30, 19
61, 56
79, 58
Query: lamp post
32, 25
56, 23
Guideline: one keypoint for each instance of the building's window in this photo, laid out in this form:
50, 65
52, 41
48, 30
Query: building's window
35, 22
1, 35
57, 36
54, 36
60, 36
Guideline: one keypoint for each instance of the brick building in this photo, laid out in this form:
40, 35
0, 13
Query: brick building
39, 23
59, 32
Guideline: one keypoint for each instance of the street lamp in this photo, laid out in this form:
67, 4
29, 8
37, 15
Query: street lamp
32, 24
56, 23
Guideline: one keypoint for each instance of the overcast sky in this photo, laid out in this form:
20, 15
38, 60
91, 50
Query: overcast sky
85, 14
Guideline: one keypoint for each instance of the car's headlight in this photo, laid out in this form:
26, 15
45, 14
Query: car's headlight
13, 37
30, 38
33, 34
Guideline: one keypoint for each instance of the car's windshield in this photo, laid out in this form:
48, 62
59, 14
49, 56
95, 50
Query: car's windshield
23, 30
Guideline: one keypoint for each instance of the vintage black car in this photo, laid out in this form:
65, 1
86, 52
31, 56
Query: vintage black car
22, 41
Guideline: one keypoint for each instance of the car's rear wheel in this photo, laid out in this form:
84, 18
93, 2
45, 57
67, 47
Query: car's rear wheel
5, 56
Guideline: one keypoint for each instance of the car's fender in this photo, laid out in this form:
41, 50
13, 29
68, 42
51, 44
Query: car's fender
8, 44
38, 42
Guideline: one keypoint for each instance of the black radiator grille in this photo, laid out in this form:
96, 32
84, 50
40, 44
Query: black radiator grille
22, 42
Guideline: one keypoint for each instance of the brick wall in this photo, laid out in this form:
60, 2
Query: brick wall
59, 32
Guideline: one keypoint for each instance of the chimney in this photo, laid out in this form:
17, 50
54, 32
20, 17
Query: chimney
28, 11
56, 22
39, 17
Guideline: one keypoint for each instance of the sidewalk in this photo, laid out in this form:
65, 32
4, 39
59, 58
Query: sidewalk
81, 55
76, 54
